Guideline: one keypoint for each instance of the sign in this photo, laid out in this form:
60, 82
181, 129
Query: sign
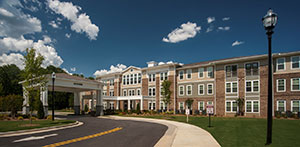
187, 111
210, 109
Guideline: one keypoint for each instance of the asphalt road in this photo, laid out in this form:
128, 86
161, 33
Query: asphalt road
132, 134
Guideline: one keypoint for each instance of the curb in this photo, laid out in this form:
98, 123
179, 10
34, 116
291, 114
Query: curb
40, 130
165, 141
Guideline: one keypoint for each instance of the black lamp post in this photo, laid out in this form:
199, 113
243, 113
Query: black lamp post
53, 79
269, 22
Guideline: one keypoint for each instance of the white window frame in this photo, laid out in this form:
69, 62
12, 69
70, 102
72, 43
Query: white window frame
188, 90
252, 87
292, 102
292, 84
231, 87
292, 62
231, 106
237, 68
182, 90
212, 89
199, 89
283, 64
189, 71
277, 85
182, 105
199, 71
284, 103
252, 106
207, 72
181, 72
138, 91
199, 105
111, 104
258, 68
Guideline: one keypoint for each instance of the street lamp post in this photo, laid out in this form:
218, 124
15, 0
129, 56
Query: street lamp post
269, 22
53, 79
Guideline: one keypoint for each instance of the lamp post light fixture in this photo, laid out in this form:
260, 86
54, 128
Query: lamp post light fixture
269, 21
53, 79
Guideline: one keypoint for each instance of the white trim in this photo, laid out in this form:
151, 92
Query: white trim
291, 62
187, 72
199, 105
202, 73
252, 106
196, 81
252, 86
199, 89
179, 105
188, 90
231, 106
278, 85
212, 89
237, 67
292, 102
258, 62
231, 87
182, 90
283, 64
181, 71
208, 72
284, 104
292, 84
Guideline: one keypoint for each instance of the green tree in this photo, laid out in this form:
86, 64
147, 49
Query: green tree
13, 103
166, 93
189, 102
10, 76
50, 69
240, 103
34, 77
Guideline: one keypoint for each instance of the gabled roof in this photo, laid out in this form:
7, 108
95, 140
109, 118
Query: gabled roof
130, 67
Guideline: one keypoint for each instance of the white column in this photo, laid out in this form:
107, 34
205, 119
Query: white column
99, 103
92, 102
118, 105
44, 98
76, 103
142, 104
128, 105
25, 109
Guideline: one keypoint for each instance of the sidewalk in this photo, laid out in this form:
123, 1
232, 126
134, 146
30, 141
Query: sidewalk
178, 134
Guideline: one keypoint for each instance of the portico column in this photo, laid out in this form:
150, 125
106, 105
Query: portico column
25, 109
141, 104
44, 98
92, 102
99, 103
129, 105
76, 103
118, 105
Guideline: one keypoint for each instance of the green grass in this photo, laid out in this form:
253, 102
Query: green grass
241, 132
6, 126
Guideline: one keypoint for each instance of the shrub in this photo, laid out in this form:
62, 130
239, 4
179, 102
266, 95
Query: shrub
86, 108
289, 114
170, 112
204, 112
11, 103
33, 118
40, 108
196, 112
20, 118
3, 116
49, 117
277, 114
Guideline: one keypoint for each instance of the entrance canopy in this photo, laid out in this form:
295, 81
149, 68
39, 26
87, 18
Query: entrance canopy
67, 83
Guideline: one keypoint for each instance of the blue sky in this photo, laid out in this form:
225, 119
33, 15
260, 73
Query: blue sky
84, 36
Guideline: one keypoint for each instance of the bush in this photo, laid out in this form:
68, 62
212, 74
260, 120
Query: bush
49, 117
33, 118
20, 118
289, 114
40, 109
277, 114
11, 103
197, 112
203, 112
170, 112
86, 108
3, 116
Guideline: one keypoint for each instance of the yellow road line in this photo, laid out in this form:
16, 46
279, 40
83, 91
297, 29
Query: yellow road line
83, 138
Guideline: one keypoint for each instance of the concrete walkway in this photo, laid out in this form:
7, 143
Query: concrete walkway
178, 134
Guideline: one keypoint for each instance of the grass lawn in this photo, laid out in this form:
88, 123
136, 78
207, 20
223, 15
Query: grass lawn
23, 125
241, 132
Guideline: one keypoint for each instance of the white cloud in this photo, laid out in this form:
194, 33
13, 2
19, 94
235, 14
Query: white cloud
73, 69
64, 69
6, 13
186, 30
225, 18
235, 43
13, 58
11, 44
224, 28
210, 19
53, 24
209, 29
81, 22
20, 23
113, 69
68, 35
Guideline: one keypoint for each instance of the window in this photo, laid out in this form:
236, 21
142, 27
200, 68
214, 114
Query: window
209, 103
231, 106
251, 69
295, 84
111, 93
231, 71
124, 92
138, 91
104, 93
127, 79
124, 80
163, 76
163, 106
252, 106
131, 78
181, 105
104, 105
281, 105
296, 106
280, 64
129, 93
201, 106
189, 73
181, 74
151, 105
151, 91
135, 78
181, 90
201, 89
295, 62
209, 89
151, 77
111, 105
210, 72
231, 87
252, 86
280, 85
111, 82
139, 78
201, 72
188, 89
